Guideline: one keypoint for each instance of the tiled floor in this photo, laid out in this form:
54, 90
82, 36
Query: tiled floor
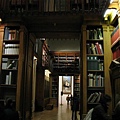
58, 113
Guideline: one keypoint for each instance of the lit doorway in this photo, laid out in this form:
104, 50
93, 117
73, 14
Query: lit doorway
62, 99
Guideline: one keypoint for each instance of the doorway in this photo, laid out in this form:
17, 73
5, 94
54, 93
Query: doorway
62, 99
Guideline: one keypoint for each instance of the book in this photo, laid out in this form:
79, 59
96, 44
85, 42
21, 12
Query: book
98, 48
88, 49
95, 96
10, 65
7, 80
10, 78
115, 34
90, 97
99, 33
93, 48
4, 63
6, 33
51, 5
101, 48
98, 99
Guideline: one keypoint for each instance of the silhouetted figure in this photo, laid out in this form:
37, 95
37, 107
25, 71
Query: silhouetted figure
68, 99
10, 112
100, 111
2, 112
74, 106
116, 112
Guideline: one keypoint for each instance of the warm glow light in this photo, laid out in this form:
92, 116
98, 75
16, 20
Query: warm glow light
107, 12
0, 20
111, 1
35, 58
112, 12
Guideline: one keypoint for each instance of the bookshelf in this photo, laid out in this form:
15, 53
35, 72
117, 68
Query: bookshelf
15, 72
9, 63
45, 55
115, 63
66, 62
54, 78
95, 65
77, 84
115, 43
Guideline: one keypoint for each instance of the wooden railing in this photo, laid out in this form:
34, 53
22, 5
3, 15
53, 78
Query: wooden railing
53, 5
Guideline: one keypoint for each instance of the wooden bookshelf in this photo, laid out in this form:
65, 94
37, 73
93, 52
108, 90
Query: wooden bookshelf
45, 55
14, 70
54, 78
115, 63
95, 64
77, 84
95, 77
66, 62
9, 63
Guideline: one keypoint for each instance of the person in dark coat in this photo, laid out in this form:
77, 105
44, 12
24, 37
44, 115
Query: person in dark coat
10, 112
2, 112
75, 106
116, 112
100, 111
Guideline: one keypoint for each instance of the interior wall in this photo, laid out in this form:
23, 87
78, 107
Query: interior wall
64, 102
63, 44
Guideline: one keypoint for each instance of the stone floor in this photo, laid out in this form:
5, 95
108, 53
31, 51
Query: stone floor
63, 112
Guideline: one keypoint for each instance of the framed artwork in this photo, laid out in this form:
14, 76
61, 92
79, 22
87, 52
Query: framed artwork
66, 84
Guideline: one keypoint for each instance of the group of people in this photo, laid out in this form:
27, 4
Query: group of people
8, 111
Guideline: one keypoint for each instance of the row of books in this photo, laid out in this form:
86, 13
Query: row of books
11, 34
116, 54
115, 34
77, 85
9, 63
94, 34
62, 5
21, 2
95, 80
10, 48
76, 89
94, 97
95, 64
94, 48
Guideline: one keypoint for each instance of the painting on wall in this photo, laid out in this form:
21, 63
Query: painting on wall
66, 84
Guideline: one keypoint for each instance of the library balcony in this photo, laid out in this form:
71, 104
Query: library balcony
55, 16
54, 6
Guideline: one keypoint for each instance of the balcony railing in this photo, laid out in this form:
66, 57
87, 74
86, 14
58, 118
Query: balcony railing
91, 6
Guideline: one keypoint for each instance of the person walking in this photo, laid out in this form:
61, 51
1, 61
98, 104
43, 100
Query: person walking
68, 99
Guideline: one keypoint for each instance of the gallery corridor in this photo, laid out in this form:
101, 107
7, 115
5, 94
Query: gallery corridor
63, 112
